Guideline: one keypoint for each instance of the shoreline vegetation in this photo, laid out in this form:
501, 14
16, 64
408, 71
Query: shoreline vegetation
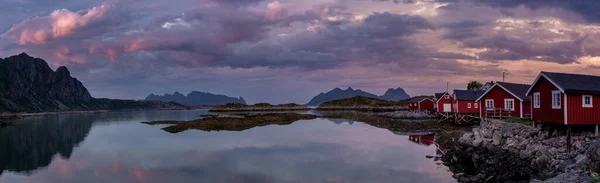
364, 104
237, 107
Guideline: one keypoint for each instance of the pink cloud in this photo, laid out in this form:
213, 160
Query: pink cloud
58, 24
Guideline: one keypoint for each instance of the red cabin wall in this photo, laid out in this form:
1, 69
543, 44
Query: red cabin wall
579, 115
526, 107
426, 105
498, 95
413, 106
545, 113
463, 106
443, 100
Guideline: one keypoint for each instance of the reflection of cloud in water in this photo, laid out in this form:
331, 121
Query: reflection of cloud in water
309, 163
120, 149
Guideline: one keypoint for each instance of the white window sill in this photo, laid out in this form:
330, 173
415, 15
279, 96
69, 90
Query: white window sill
536, 107
588, 106
553, 107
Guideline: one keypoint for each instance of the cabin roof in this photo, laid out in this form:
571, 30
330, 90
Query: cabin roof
468, 94
518, 91
574, 83
439, 95
418, 99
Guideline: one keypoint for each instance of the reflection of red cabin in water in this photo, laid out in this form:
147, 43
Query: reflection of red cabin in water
422, 139
421, 103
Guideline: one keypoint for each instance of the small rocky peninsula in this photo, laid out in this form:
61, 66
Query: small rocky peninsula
233, 122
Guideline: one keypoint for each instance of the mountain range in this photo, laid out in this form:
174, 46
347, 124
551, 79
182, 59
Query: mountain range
337, 93
196, 98
28, 84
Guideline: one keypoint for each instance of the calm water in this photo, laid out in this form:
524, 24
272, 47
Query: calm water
116, 147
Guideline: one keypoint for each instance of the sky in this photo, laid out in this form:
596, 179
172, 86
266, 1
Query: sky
282, 51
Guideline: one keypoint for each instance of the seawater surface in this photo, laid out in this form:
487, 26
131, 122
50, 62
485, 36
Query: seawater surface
116, 147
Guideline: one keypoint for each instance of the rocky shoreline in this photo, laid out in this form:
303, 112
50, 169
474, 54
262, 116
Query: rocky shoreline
363, 108
497, 151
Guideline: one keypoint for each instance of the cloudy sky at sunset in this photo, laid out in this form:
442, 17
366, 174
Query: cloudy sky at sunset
290, 50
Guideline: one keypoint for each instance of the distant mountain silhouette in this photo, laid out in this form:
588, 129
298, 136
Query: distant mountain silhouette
196, 98
28, 84
395, 94
337, 93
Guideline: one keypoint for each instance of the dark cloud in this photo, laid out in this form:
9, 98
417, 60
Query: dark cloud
588, 9
463, 29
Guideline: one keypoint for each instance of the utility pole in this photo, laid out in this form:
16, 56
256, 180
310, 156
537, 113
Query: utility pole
447, 87
503, 75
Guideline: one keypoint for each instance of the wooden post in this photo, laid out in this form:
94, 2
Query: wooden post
568, 139
596, 132
533, 123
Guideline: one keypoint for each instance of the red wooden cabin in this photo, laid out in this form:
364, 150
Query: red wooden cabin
569, 99
444, 102
464, 101
421, 103
505, 100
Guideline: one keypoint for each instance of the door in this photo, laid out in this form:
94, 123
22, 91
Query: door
447, 107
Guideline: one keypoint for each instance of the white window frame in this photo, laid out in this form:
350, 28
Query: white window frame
446, 96
591, 101
536, 100
476, 105
512, 101
556, 99
469, 105
487, 107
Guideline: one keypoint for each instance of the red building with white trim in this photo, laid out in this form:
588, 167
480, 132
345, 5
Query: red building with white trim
421, 103
505, 100
567, 99
465, 101
444, 103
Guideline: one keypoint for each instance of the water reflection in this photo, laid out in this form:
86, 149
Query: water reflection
26, 147
115, 147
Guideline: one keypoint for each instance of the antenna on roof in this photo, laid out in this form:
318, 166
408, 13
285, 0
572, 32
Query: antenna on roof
503, 76
447, 86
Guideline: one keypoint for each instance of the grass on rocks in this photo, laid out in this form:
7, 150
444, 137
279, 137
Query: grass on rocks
233, 123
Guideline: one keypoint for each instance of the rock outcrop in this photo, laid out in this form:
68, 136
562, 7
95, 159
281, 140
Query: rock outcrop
395, 94
28, 84
501, 152
196, 98
337, 94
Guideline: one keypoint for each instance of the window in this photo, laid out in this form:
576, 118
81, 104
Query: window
536, 100
587, 101
509, 104
489, 104
476, 105
446, 97
556, 99
469, 105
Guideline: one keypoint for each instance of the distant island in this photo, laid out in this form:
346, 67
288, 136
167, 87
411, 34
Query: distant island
196, 98
364, 103
237, 107
391, 94
238, 122
27, 84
